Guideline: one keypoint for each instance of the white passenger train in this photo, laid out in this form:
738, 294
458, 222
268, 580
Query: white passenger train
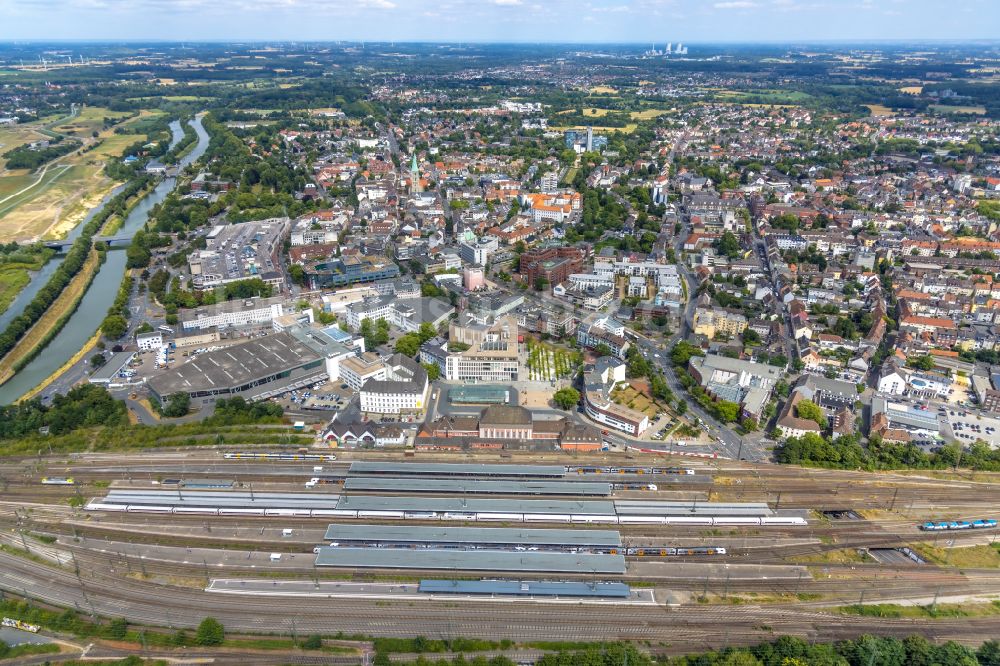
614, 519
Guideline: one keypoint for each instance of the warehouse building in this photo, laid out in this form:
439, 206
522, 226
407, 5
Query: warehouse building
256, 369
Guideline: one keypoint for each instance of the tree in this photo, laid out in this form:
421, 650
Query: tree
989, 653
602, 350
297, 274
137, 256
659, 388
97, 360
726, 411
540, 283
210, 632
807, 409
682, 406
750, 337
314, 642
566, 398
178, 404
739, 658
749, 424
728, 245
925, 362
144, 327
408, 345
114, 326
683, 351
433, 371
426, 332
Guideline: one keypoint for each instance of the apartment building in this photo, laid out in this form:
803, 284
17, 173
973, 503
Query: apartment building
604, 331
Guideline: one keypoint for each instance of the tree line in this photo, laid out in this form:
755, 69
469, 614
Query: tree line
71, 265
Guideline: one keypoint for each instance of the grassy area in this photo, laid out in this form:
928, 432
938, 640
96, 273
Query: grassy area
28, 649
985, 556
892, 611
62, 307
13, 279
12, 137
603, 90
52, 205
765, 97
137, 437
627, 129
546, 362
947, 108
648, 114
280, 644
878, 110
90, 119
844, 556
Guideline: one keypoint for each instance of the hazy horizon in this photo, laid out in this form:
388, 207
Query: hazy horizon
502, 21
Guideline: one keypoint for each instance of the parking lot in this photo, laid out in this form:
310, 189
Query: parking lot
967, 426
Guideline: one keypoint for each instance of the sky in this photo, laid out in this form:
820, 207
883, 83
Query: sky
574, 21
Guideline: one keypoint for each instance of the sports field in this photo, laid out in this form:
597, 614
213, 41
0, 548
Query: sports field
49, 202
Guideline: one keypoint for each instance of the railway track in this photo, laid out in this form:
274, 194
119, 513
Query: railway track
686, 629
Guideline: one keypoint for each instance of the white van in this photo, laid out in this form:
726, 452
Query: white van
286, 533
318, 468
275, 557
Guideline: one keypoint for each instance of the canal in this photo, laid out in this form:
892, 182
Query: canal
40, 277
101, 294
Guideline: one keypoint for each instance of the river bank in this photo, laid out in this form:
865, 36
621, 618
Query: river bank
93, 306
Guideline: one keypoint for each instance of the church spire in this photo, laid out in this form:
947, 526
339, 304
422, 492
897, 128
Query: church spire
414, 174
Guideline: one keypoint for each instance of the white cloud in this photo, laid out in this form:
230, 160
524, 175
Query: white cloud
507, 3
735, 4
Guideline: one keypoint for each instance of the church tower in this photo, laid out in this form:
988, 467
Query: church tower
414, 175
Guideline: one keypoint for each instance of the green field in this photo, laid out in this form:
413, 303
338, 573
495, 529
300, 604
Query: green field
51, 201
12, 280
947, 108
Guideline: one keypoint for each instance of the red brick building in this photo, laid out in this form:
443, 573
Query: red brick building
555, 264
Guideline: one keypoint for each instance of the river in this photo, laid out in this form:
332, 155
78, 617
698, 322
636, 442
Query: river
101, 294
40, 277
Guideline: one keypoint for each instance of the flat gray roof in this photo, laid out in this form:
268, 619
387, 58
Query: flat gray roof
471, 535
445, 469
222, 499
463, 505
653, 508
477, 486
108, 371
534, 588
470, 560
235, 366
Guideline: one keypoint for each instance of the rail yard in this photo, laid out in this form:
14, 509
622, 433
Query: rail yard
679, 550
